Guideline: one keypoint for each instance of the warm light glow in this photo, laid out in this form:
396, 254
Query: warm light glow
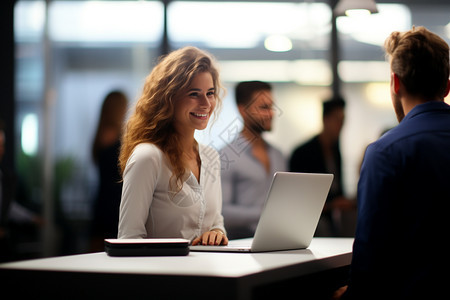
311, 72
344, 6
357, 13
278, 43
243, 24
364, 71
375, 28
305, 72
379, 95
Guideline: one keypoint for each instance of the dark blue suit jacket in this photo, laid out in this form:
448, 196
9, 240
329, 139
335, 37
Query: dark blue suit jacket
400, 249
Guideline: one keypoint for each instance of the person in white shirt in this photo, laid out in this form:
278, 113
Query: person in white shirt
171, 184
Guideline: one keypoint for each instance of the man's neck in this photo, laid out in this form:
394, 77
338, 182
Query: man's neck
255, 138
326, 140
409, 103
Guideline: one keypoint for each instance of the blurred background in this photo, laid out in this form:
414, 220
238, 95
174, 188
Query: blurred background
68, 55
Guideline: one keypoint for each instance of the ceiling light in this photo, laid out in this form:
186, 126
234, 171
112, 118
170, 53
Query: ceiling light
374, 29
357, 13
349, 7
278, 43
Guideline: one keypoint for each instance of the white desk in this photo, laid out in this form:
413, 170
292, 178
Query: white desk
231, 275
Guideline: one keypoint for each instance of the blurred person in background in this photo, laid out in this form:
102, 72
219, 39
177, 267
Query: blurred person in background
248, 161
105, 154
322, 154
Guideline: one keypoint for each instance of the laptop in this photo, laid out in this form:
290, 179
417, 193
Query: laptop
290, 215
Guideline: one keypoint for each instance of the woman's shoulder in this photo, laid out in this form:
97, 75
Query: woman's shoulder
146, 152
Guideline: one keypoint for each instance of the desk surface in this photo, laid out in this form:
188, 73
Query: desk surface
323, 253
238, 276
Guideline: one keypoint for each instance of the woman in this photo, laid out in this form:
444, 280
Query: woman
171, 184
105, 152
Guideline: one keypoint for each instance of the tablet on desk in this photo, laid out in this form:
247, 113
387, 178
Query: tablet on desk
147, 247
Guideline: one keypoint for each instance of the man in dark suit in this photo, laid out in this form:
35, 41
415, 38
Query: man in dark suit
403, 192
322, 154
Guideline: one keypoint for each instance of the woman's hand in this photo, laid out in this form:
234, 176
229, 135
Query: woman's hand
214, 238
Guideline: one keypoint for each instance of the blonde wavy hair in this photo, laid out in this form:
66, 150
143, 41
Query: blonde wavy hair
152, 119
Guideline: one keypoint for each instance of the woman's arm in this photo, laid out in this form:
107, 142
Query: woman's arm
139, 182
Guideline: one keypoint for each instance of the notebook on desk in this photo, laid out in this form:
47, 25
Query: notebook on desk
290, 215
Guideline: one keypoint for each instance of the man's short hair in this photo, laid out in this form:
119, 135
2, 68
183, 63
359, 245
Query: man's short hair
420, 59
332, 104
245, 90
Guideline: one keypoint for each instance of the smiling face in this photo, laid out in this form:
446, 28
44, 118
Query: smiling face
194, 106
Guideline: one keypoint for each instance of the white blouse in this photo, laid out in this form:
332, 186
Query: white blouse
150, 208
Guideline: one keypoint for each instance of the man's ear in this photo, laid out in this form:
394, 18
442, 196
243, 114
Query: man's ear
396, 82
